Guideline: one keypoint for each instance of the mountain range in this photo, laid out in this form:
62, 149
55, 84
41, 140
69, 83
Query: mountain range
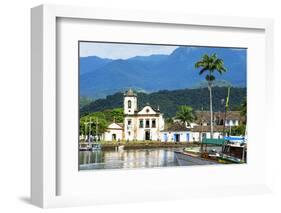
100, 77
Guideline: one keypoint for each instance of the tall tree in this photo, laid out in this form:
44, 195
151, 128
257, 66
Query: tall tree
209, 64
185, 114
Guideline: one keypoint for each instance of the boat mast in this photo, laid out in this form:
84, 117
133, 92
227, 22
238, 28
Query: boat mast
225, 112
226, 109
89, 140
97, 128
85, 133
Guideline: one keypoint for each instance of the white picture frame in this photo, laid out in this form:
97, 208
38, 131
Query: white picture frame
45, 172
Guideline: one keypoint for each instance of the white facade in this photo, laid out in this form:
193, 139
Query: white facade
130, 104
187, 136
141, 125
198, 136
114, 133
177, 136
179, 132
232, 122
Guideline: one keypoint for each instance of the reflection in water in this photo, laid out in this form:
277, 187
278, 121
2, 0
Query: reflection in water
141, 158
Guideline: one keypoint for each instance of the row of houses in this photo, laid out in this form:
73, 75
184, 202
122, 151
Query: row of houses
148, 124
177, 132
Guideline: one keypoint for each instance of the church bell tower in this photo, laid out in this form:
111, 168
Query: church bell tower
130, 102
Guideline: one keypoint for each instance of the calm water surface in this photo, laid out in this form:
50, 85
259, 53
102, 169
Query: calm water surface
140, 158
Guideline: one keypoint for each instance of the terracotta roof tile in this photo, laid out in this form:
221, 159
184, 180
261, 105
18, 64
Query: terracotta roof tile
231, 115
177, 127
217, 128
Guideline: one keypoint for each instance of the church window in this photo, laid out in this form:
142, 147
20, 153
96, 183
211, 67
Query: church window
141, 123
129, 104
147, 124
129, 122
153, 123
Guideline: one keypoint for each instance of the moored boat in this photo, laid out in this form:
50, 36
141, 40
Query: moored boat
84, 147
95, 147
189, 159
229, 159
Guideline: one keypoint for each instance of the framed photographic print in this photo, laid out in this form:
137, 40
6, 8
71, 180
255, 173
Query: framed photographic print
146, 103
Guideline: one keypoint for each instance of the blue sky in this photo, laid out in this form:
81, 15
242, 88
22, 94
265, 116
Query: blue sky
122, 51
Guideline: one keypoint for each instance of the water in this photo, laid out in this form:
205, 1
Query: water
127, 159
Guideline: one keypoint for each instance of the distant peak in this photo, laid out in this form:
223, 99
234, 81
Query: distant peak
182, 53
96, 57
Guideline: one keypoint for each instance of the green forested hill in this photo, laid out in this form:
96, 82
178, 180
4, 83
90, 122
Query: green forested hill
168, 101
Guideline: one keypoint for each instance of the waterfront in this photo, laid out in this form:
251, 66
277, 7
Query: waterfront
128, 159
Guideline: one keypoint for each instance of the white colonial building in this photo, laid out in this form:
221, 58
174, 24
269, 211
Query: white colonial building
114, 132
177, 132
143, 124
139, 125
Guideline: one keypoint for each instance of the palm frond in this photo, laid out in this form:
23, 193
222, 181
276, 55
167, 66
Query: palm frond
199, 64
203, 70
211, 63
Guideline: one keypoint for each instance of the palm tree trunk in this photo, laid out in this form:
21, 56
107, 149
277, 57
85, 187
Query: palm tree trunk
211, 109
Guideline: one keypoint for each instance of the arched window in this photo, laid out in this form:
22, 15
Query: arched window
129, 104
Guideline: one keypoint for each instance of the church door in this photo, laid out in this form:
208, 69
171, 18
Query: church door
147, 135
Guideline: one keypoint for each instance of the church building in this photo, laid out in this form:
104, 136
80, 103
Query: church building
143, 124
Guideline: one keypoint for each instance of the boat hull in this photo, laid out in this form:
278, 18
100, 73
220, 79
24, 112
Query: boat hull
188, 160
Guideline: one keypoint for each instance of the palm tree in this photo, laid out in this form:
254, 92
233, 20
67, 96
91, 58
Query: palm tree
209, 64
185, 114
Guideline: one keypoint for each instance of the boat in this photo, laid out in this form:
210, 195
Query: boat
234, 153
188, 159
192, 150
234, 149
229, 159
84, 147
95, 146
213, 154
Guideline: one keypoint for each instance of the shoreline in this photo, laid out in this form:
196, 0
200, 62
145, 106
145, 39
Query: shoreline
146, 145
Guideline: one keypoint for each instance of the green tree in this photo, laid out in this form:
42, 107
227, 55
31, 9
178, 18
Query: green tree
185, 114
241, 129
238, 130
168, 122
209, 64
92, 124
99, 126
96, 123
114, 115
